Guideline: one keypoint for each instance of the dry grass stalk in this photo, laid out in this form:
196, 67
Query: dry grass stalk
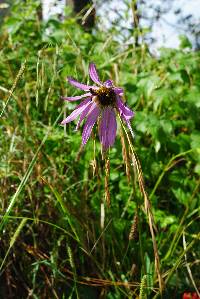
102, 219
147, 205
85, 280
107, 178
94, 161
134, 228
79, 154
20, 73
126, 157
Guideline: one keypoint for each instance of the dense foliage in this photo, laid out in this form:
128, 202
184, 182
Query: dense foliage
52, 244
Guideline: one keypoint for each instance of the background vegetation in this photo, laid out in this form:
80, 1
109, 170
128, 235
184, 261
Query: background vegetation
52, 244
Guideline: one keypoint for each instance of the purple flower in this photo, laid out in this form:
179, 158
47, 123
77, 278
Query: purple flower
100, 103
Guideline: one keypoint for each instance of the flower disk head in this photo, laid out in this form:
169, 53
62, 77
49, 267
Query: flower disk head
100, 103
104, 96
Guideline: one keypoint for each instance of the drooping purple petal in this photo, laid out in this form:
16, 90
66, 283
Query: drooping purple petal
78, 110
83, 115
108, 83
126, 114
124, 111
108, 127
76, 98
112, 128
79, 85
87, 111
92, 118
93, 74
118, 90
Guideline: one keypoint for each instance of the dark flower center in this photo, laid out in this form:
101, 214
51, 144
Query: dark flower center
104, 96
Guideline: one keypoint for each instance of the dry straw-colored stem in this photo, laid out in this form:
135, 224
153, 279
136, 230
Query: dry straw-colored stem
107, 178
134, 228
126, 158
20, 73
147, 205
